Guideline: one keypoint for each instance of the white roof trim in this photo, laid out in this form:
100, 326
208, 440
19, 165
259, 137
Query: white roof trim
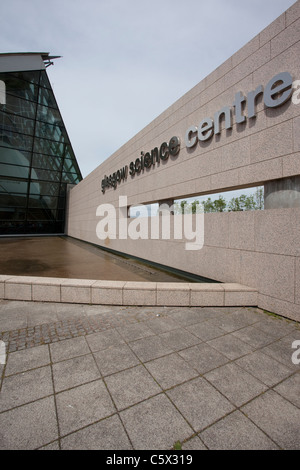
21, 62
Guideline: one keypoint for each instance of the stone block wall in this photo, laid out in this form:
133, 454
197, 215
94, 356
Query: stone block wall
260, 249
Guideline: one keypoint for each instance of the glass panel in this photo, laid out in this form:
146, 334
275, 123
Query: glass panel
46, 202
13, 200
14, 171
48, 147
46, 175
21, 107
61, 203
40, 214
12, 213
12, 122
16, 227
31, 76
48, 131
44, 80
63, 190
50, 115
13, 186
70, 166
47, 162
46, 98
70, 178
21, 88
13, 156
69, 154
44, 188
16, 141
24, 124
10, 227
60, 215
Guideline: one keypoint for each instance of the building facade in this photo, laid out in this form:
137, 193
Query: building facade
37, 161
238, 128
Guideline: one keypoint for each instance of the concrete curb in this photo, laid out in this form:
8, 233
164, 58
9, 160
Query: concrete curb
86, 291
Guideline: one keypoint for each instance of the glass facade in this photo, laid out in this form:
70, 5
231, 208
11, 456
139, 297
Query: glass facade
36, 158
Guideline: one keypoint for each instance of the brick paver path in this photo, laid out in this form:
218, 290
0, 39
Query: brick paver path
102, 377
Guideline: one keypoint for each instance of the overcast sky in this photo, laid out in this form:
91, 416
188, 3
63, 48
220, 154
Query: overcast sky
125, 61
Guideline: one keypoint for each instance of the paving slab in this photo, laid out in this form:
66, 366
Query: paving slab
130, 378
248, 316
162, 324
131, 386
104, 340
12, 320
282, 350
275, 326
186, 317
107, 434
155, 424
115, 359
26, 387
203, 357
281, 425
135, 331
73, 372
53, 446
290, 389
194, 443
30, 426
231, 346
206, 330
179, 339
170, 370
68, 349
200, 403
236, 432
21, 361
235, 383
265, 368
230, 322
82, 406
254, 336
150, 348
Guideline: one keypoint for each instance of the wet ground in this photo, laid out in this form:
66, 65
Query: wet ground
66, 257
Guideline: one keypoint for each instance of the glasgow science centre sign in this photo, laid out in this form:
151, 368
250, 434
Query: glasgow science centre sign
277, 92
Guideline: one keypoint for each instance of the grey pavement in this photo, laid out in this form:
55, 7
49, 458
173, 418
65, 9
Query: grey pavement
114, 378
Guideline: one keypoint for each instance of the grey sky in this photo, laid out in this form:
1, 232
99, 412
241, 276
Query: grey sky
125, 61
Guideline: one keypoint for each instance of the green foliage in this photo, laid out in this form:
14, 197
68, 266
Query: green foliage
208, 205
194, 206
220, 204
242, 203
259, 198
183, 205
177, 446
247, 203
